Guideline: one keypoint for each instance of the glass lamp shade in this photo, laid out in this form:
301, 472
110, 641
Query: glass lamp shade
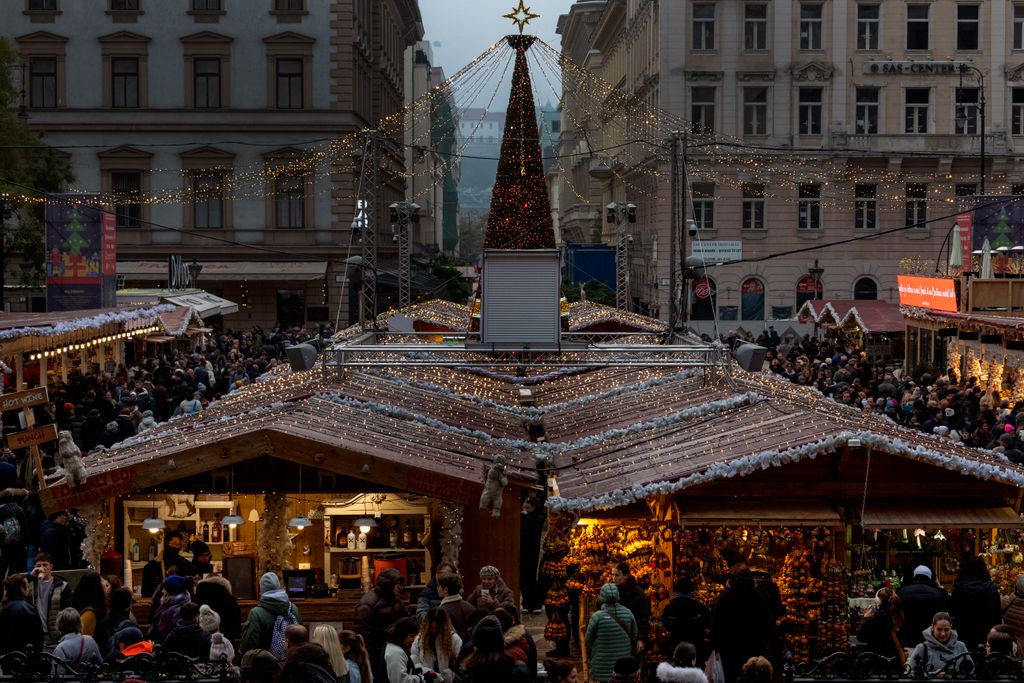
233, 521
300, 522
365, 524
153, 524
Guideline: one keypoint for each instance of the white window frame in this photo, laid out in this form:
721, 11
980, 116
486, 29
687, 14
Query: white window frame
972, 123
809, 207
868, 28
811, 28
703, 202
866, 111
917, 20
1018, 27
967, 23
703, 33
810, 112
919, 111
753, 208
755, 112
1017, 110
916, 206
706, 108
865, 207
755, 29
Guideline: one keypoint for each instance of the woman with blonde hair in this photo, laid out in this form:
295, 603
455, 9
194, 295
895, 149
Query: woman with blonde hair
356, 657
326, 636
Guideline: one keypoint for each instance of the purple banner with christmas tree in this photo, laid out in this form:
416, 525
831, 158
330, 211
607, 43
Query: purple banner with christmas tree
81, 255
1000, 220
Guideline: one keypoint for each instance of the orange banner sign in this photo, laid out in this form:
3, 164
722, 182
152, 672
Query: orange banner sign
935, 293
32, 437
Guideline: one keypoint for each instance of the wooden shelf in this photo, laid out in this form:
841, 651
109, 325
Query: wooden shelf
368, 551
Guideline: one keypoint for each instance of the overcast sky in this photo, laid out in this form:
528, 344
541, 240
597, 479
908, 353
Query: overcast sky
465, 28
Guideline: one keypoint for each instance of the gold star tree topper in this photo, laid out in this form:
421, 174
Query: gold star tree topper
521, 16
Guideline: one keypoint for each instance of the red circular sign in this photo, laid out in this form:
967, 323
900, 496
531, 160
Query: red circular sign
702, 290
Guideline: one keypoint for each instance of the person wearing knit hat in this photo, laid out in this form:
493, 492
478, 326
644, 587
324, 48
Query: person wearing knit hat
259, 666
201, 556
259, 627
492, 592
220, 647
611, 633
921, 600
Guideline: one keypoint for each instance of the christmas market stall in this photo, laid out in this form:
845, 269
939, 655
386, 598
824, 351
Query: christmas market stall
875, 326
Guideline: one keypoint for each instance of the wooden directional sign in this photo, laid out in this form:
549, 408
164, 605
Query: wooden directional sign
32, 437
23, 399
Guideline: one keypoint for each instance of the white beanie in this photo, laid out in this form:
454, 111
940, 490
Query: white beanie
922, 570
208, 619
221, 648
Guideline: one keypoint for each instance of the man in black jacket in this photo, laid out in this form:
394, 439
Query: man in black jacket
20, 627
921, 599
635, 600
686, 619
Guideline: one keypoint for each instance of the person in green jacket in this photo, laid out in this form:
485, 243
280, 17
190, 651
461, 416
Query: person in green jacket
611, 634
258, 632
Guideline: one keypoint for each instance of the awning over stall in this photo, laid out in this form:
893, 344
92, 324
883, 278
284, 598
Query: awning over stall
235, 271
928, 514
205, 304
706, 512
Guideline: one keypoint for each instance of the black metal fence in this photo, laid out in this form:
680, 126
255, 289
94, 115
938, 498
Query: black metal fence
843, 667
163, 667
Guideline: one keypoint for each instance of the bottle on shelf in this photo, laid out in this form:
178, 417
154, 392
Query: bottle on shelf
393, 536
361, 541
351, 538
216, 531
407, 534
206, 532
341, 539
225, 532
136, 550
152, 548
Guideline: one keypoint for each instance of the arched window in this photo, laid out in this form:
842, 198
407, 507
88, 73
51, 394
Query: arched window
703, 299
865, 289
752, 299
805, 290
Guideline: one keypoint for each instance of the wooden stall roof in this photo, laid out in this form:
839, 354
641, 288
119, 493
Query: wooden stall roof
48, 323
180, 320
902, 515
614, 435
869, 315
995, 322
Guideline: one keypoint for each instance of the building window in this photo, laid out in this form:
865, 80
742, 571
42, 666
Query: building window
809, 207
703, 299
866, 119
702, 109
965, 189
124, 82
755, 27
810, 26
865, 207
127, 188
289, 83
124, 5
867, 27
865, 289
753, 206
42, 85
1018, 27
704, 205
808, 290
1018, 111
916, 110
289, 201
556, 126
810, 111
206, 5
917, 27
703, 27
968, 23
755, 111
289, 5
42, 5
208, 201
917, 205
966, 111
752, 299
206, 83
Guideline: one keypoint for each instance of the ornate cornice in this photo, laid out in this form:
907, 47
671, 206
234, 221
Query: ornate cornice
760, 75
694, 75
812, 71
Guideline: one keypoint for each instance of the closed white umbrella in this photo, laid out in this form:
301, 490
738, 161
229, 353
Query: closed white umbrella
956, 254
986, 260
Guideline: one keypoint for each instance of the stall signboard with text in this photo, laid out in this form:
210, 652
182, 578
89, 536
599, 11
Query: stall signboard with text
936, 293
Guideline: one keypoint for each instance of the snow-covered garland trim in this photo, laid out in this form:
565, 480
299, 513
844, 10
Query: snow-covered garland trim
546, 451
535, 379
92, 322
775, 458
536, 412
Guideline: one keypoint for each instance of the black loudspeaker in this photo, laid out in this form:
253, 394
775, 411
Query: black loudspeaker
301, 357
751, 357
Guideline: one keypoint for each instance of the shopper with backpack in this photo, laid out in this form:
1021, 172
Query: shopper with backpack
265, 627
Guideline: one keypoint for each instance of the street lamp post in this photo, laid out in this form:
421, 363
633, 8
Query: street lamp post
961, 115
194, 269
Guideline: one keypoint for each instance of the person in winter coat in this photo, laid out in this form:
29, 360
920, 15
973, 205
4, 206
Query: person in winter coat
50, 594
626, 670
221, 647
488, 662
741, 625
561, 671
458, 609
259, 627
431, 596
215, 591
379, 608
1013, 612
55, 540
188, 637
398, 664
174, 595
518, 641
90, 598
940, 646
682, 668
921, 600
75, 648
437, 645
120, 612
13, 551
20, 627
492, 592
882, 623
610, 635
633, 598
307, 663
974, 604
686, 620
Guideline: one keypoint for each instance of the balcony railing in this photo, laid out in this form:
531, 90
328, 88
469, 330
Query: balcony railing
894, 145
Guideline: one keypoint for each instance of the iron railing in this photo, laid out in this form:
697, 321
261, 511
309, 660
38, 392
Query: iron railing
165, 667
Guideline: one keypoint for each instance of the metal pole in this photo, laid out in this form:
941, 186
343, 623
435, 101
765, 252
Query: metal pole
684, 193
369, 184
404, 256
621, 261
675, 228
981, 111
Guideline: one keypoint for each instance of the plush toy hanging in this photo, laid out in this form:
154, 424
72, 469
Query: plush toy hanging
71, 459
494, 485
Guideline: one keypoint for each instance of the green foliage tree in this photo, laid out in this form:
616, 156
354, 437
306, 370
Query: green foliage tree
28, 169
